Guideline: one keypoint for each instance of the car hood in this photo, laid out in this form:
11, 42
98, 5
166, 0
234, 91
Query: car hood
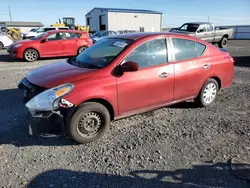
22, 41
58, 73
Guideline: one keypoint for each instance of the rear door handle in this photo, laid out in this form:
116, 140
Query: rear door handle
206, 66
164, 75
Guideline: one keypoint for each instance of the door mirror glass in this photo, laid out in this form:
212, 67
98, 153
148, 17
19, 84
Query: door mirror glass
129, 66
201, 30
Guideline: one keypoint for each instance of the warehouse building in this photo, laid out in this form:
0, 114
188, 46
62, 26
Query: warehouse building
24, 26
124, 19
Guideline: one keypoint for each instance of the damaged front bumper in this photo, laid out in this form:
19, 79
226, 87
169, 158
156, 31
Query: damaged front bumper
49, 123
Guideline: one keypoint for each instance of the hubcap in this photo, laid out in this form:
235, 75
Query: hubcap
89, 124
209, 93
30, 55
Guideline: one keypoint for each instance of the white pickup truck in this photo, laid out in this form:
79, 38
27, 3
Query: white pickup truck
206, 31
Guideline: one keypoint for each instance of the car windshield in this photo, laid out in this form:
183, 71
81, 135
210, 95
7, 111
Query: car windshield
39, 36
189, 27
102, 53
33, 30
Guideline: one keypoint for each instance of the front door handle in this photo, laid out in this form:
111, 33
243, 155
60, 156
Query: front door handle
206, 66
164, 75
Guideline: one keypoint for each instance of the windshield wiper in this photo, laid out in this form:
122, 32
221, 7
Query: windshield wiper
82, 64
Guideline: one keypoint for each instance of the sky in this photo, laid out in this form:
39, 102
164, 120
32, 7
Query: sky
175, 12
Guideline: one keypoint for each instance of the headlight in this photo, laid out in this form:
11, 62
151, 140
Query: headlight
17, 45
49, 99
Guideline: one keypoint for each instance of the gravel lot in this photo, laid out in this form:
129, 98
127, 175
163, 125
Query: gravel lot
176, 146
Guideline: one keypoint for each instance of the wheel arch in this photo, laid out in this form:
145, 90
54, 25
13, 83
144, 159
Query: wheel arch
225, 36
105, 103
81, 47
218, 80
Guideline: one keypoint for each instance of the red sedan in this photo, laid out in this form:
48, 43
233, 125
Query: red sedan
51, 44
121, 76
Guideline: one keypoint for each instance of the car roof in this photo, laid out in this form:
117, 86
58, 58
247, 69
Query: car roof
139, 35
197, 23
65, 30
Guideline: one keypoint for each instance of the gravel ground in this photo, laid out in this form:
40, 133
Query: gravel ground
176, 146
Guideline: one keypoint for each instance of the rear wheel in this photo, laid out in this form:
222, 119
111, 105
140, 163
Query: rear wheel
30, 55
81, 49
208, 93
1, 45
89, 123
223, 42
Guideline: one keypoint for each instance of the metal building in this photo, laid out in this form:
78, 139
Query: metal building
124, 19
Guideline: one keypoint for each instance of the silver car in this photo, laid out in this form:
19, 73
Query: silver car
102, 34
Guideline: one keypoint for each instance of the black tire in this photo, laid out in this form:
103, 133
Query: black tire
223, 42
89, 116
200, 100
81, 49
30, 55
1, 45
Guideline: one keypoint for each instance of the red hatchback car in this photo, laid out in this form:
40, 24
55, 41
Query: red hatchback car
121, 76
51, 44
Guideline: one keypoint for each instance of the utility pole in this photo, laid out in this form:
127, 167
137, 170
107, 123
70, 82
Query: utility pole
208, 19
10, 14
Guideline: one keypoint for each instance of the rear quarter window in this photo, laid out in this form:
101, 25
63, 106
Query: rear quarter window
200, 48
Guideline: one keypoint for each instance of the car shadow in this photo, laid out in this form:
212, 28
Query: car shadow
14, 123
185, 105
242, 61
200, 176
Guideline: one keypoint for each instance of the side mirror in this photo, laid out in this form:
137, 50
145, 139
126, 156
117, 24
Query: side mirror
129, 66
44, 40
201, 30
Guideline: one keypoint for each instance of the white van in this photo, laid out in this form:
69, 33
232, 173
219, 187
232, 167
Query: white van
34, 33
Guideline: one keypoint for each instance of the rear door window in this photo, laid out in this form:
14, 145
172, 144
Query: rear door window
71, 35
209, 28
55, 36
183, 49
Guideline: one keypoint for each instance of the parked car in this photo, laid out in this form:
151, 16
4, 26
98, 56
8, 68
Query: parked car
35, 32
51, 44
5, 40
126, 31
102, 34
120, 76
206, 31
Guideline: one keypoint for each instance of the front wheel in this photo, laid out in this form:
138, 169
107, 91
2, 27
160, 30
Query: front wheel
223, 42
89, 122
30, 55
208, 93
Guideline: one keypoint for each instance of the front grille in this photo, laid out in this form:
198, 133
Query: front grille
30, 89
